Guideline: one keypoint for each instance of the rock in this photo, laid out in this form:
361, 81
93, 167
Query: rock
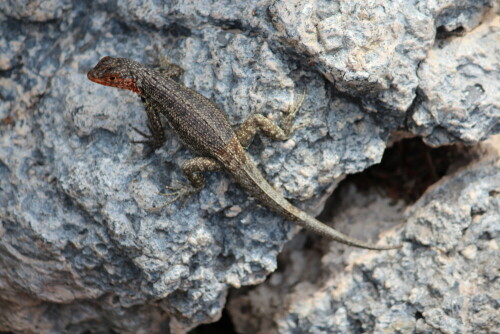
459, 85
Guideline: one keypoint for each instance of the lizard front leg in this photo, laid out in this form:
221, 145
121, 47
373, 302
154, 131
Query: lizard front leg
193, 171
156, 137
246, 132
169, 69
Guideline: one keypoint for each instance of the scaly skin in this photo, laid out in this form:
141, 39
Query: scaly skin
204, 129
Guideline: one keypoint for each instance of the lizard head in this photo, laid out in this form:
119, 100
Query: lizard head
115, 72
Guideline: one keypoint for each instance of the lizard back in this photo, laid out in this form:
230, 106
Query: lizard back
197, 121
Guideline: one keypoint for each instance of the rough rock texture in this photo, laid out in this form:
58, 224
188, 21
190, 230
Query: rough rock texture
465, 105
445, 279
80, 249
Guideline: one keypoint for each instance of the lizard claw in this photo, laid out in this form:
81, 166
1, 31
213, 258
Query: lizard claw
150, 139
145, 135
288, 119
182, 190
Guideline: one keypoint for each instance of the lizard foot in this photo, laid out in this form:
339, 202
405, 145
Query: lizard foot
288, 119
149, 141
149, 137
182, 190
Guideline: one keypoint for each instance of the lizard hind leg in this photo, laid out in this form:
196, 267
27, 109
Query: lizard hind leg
246, 132
192, 170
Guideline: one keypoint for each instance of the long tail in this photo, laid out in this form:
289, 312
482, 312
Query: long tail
252, 180
315, 225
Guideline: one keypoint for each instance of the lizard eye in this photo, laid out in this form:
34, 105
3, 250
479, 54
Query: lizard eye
112, 78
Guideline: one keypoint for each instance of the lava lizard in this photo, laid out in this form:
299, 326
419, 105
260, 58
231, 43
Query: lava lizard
204, 128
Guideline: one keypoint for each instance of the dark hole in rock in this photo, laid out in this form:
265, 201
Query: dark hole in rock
224, 325
442, 33
409, 167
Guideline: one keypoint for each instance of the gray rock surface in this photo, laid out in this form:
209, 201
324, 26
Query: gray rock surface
80, 249
445, 279
460, 87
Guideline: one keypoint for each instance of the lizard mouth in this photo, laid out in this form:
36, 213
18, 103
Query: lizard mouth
91, 75
114, 81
